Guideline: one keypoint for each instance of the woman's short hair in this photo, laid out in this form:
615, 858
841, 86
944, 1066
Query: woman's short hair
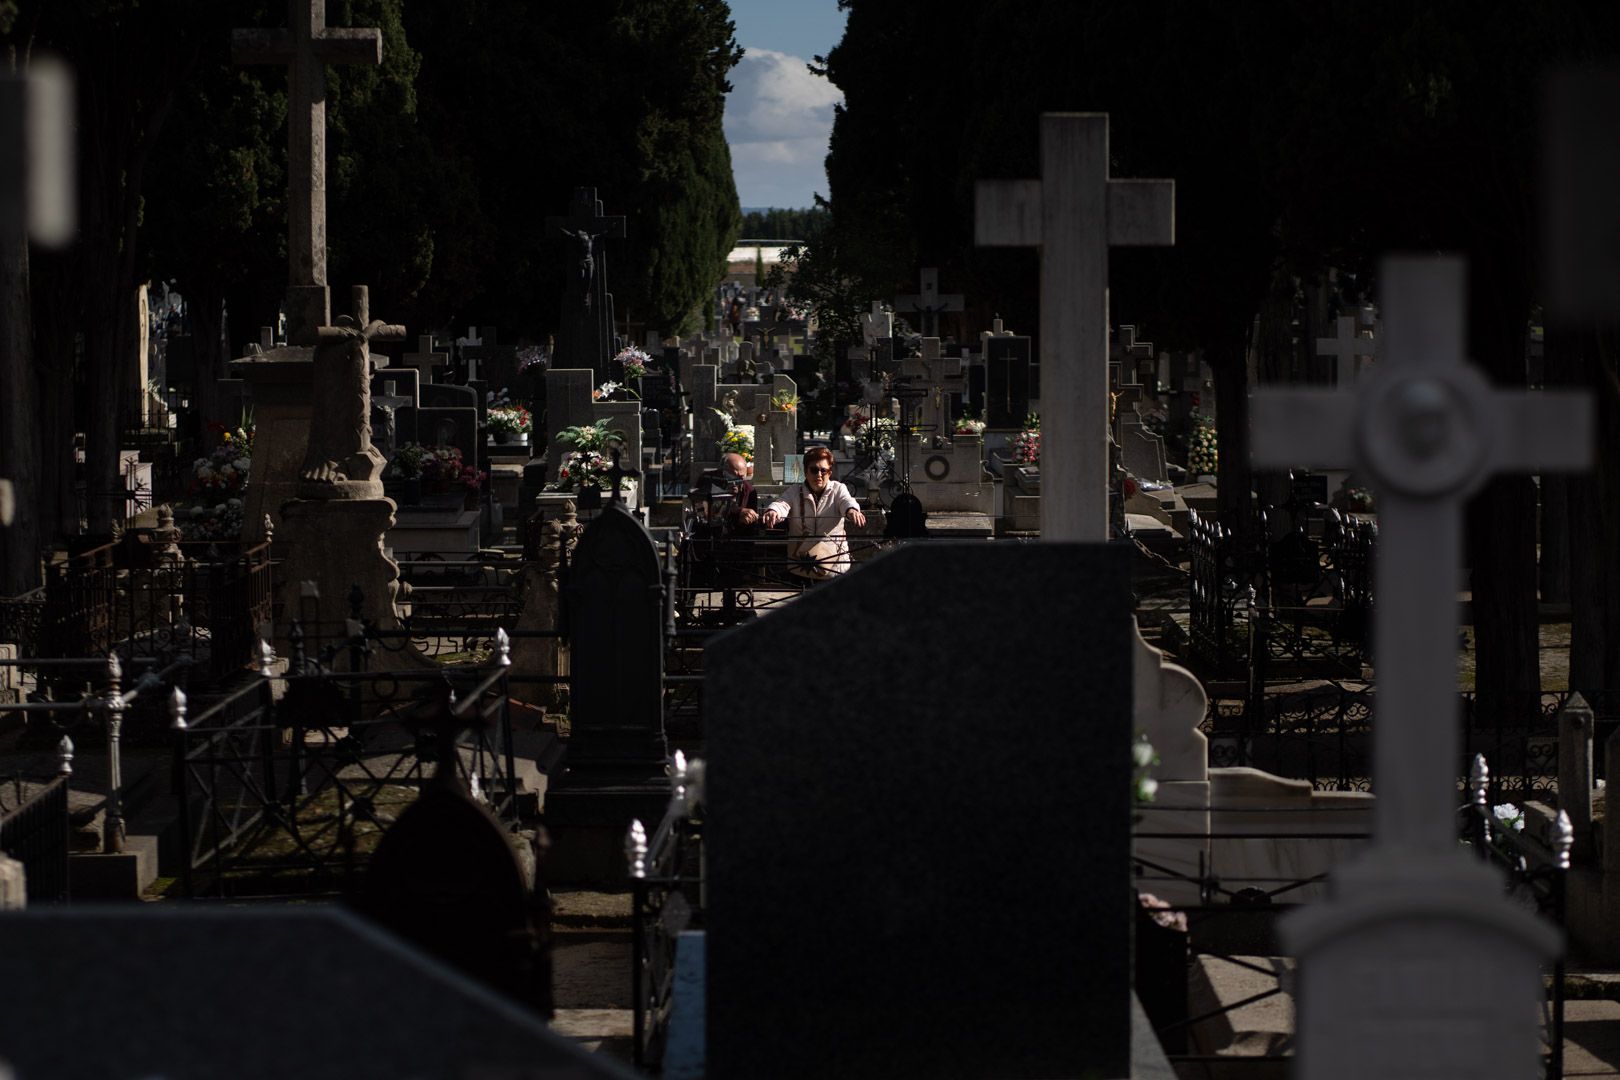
818, 453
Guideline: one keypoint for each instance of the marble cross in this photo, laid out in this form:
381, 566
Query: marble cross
1346, 347
305, 49
1074, 213
878, 324
1426, 430
424, 359
928, 302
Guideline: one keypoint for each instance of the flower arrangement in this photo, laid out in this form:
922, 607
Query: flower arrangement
1201, 453
1026, 445
510, 420
967, 424
595, 436
533, 356
222, 521
583, 468
1358, 498
738, 439
435, 464
224, 472
785, 401
880, 431
606, 391
633, 362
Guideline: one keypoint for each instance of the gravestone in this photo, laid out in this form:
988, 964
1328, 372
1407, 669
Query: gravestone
614, 764
445, 877
1419, 944
1074, 214
424, 361
1349, 348
1010, 381
255, 993
585, 336
861, 844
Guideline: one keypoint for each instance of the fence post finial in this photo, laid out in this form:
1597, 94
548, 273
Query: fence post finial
635, 849
64, 757
1563, 839
177, 709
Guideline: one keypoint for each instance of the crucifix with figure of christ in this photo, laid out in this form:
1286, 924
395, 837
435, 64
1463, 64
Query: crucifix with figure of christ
586, 333
928, 302
305, 48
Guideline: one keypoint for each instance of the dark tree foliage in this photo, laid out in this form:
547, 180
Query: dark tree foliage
1302, 137
776, 223
531, 101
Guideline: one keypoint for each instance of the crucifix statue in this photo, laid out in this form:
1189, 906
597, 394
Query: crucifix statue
586, 335
928, 302
305, 49
1416, 928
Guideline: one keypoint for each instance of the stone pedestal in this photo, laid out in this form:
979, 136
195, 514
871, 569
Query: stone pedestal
282, 382
338, 544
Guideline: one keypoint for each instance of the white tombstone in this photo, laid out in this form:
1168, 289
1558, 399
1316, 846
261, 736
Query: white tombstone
1074, 214
1348, 347
1419, 967
877, 324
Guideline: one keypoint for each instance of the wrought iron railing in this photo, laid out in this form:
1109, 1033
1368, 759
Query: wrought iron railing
36, 835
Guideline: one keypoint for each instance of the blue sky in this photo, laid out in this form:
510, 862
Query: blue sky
778, 115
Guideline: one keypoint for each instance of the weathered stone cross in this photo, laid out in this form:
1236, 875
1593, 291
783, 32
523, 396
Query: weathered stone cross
877, 324
1418, 935
1074, 214
424, 359
305, 49
619, 474
1346, 346
928, 302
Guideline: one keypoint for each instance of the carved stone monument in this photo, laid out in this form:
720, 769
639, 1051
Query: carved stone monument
585, 338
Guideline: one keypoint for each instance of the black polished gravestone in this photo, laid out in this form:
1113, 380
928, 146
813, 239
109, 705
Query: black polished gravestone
614, 764
315, 992
1011, 381
925, 875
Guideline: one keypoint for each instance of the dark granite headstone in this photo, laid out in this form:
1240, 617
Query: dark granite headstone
925, 875
1010, 381
443, 427
312, 992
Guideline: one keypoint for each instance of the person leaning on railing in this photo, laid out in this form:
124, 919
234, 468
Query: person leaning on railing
816, 511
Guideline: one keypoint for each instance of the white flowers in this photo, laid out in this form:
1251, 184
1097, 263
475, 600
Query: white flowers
1509, 816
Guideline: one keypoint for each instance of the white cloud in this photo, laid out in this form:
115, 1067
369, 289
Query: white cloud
778, 119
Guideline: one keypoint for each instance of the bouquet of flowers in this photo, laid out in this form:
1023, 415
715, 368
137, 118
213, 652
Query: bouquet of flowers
589, 436
1026, 445
582, 468
738, 439
222, 521
633, 362
224, 472
606, 391
785, 401
1201, 454
967, 425
510, 419
879, 430
441, 464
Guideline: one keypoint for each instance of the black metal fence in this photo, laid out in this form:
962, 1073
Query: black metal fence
36, 835
198, 600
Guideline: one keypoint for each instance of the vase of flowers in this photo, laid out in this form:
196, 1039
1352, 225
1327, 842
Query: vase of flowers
510, 424
785, 401
633, 363
1026, 445
1201, 454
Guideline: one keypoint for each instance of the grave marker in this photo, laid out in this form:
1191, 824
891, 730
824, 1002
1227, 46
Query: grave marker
928, 302
585, 338
305, 49
424, 359
1074, 213
1419, 946
1346, 347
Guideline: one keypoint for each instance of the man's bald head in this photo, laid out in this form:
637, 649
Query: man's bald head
734, 464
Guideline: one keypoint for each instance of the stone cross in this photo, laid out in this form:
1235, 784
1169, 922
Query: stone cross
305, 49
1347, 346
618, 473
878, 324
1074, 213
424, 359
928, 302
1426, 429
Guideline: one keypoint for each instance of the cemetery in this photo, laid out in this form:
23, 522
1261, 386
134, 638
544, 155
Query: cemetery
1131, 596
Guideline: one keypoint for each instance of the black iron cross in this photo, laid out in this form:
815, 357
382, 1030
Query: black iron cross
618, 473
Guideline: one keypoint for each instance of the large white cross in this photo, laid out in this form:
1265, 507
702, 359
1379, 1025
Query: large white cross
878, 324
1426, 430
927, 301
1346, 347
1074, 213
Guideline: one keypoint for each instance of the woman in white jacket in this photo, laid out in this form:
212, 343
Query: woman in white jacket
816, 512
